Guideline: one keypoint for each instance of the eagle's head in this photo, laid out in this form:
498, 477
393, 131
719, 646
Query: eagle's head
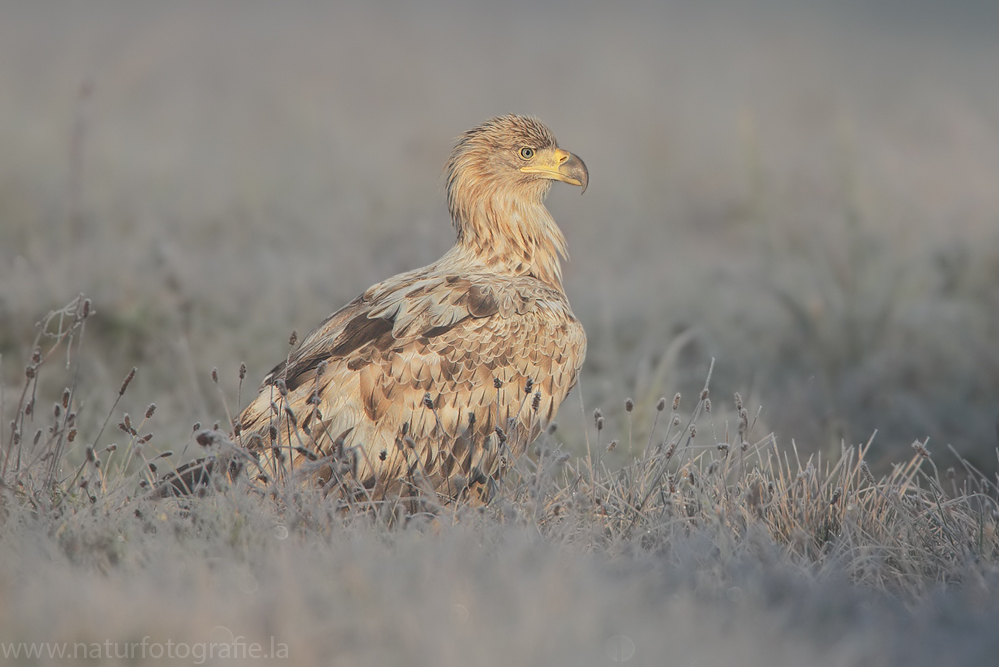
506, 160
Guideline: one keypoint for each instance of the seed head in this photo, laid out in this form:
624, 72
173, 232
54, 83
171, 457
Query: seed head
428, 401
65, 398
497, 383
282, 387
612, 445
629, 405
707, 405
704, 394
529, 385
671, 449
676, 402
738, 402
921, 449
306, 453
293, 338
128, 378
215, 375
661, 404
150, 410
536, 401
866, 472
242, 371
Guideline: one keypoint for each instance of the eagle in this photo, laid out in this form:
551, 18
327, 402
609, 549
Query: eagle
432, 382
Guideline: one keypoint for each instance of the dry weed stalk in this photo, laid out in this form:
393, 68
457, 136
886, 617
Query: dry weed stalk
900, 530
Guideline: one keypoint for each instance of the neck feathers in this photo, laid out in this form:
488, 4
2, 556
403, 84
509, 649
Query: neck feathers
507, 232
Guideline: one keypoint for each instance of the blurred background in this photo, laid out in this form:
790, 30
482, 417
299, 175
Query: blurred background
807, 192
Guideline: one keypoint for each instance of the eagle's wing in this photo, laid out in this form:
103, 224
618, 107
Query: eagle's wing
414, 377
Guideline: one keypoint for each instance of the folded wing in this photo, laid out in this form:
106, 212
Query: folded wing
426, 380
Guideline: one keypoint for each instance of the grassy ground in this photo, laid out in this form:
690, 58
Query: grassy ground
803, 192
700, 551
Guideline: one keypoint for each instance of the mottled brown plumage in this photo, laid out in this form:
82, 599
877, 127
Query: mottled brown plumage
433, 379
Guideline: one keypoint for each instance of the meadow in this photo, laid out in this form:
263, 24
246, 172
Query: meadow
796, 201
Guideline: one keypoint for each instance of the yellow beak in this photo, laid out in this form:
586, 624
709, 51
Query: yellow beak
560, 165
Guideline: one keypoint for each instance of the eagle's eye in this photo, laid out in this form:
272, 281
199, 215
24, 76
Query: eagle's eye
527, 152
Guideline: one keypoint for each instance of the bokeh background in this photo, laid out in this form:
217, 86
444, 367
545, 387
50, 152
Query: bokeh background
807, 192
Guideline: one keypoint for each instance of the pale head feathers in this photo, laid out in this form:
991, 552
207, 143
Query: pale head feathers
496, 208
